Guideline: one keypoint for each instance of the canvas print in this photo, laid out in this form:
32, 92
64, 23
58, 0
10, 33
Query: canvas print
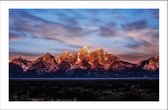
83, 54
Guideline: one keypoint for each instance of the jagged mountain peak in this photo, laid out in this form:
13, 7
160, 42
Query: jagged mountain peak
65, 53
151, 64
84, 50
85, 47
96, 61
154, 58
22, 63
44, 64
19, 60
47, 56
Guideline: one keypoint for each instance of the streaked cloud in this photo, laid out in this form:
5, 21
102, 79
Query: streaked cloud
119, 31
108, 30
137, 25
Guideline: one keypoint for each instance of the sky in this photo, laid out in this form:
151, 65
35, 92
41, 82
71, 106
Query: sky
130, 34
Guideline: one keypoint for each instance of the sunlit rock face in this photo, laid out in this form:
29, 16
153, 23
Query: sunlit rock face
44, 64
83, 61
22, 63
151, 64
121, 66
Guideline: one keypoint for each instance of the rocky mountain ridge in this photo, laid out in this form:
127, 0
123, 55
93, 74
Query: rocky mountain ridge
84, 63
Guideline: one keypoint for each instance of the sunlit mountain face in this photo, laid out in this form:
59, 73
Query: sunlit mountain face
83, 64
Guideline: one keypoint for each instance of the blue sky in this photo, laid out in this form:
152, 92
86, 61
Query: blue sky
131, 34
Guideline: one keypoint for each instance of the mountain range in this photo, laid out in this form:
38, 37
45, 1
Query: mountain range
84, 64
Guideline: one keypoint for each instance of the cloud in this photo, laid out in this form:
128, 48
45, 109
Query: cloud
147, 40
146, 34
134, 44
26, 19
108, 30
154, 13
137, 25
75, 46
14, 36
24, 54
41, 28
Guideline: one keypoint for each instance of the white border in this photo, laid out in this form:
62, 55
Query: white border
5, 104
